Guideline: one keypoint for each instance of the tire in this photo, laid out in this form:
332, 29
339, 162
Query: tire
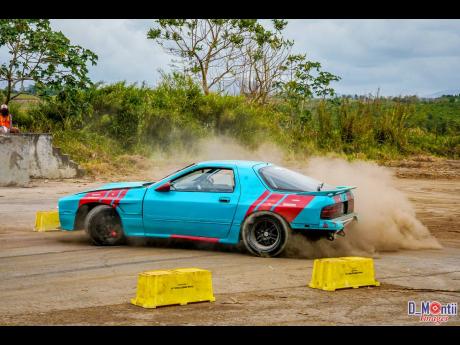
103, 226
265, 234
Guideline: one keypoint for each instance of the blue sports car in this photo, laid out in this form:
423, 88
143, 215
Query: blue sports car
258, 203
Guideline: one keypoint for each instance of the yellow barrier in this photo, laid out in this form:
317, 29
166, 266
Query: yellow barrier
339, 273
177, 286
47, 221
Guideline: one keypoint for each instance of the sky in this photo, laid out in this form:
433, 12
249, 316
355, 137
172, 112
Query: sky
399, 57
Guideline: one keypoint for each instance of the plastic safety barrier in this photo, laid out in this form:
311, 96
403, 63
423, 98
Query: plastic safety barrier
47, 221
340, 273
176, 286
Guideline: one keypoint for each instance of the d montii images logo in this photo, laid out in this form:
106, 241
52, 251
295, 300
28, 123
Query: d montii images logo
432, 311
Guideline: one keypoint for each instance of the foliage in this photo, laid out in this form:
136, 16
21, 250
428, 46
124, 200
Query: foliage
305, 80
40, 55
256, 57
207, 47
284, 98
103, 123
262, 61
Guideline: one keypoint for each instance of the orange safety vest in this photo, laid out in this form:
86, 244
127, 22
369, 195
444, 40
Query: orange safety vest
5, 121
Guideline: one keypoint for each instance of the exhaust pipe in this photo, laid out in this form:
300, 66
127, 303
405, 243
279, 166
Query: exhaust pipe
332, 235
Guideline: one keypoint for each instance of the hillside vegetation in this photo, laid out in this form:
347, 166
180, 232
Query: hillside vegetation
100, 126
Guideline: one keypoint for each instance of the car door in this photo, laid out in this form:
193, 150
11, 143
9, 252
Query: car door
200, 203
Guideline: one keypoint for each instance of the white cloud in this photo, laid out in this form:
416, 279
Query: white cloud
399, 56
124, 51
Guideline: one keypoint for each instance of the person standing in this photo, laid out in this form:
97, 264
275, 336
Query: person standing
6, 121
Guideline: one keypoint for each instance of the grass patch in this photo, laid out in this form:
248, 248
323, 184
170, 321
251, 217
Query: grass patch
104, 127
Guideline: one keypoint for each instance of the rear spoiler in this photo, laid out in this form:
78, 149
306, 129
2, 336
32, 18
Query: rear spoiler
337, 190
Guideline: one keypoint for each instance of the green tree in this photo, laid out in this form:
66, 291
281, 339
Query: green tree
300, 81
264, 57
305, 79
40, 55
207, 48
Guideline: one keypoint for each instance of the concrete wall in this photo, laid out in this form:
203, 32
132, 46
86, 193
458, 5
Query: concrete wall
14, 160
32, 155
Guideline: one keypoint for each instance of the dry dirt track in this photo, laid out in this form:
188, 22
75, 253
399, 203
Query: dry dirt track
59, 278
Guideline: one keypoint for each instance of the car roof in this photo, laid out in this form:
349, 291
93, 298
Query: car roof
239, 163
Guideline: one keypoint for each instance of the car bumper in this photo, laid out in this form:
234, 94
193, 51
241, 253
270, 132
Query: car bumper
67, 220
335, 225
345, 220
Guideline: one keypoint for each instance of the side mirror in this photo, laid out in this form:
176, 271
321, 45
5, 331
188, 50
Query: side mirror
166, 187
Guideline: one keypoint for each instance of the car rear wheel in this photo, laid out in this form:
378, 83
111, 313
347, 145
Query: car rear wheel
103, 226
265, 234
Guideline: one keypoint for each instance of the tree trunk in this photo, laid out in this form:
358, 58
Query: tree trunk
204, 81
8, 92
205, 87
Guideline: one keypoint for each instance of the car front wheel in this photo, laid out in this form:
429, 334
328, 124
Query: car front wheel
104, 226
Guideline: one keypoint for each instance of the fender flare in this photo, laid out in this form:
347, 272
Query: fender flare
82, 213
256, 214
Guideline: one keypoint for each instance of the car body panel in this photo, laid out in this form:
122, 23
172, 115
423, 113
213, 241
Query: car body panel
144, 211
118, 185
203, 214
68, 207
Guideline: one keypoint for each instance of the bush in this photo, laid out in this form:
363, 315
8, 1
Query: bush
107, 121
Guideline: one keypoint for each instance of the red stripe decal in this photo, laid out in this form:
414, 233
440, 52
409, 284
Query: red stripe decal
109, 197
257, 202
337, 198
270, 202
292, 205
196, 238
92, 197
104, 197
117, 200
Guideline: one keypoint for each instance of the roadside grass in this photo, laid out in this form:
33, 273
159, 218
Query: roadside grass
117, 128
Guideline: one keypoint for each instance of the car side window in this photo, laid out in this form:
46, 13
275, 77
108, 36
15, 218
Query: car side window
215, 180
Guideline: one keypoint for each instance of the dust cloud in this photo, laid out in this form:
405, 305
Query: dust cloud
387, 219
220, 148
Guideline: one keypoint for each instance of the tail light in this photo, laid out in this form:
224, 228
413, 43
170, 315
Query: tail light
332, 211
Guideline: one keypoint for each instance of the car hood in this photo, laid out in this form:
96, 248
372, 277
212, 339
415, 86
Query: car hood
119, 185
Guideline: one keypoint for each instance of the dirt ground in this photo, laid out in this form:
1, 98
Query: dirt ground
59, 278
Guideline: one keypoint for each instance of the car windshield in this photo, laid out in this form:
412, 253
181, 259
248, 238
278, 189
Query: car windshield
279, 178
